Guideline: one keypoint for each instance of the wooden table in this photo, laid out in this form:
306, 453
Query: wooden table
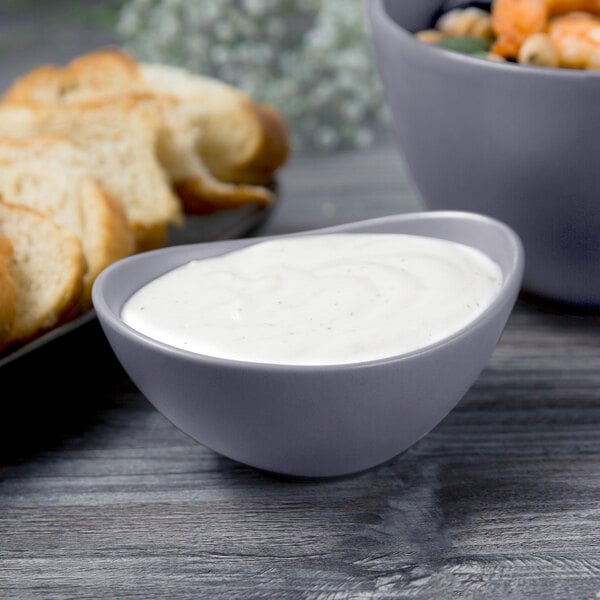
101, 497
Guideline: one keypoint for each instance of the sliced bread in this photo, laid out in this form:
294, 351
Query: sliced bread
120, 142
53, 176
242, 141
199, 190
46, 267
233, 145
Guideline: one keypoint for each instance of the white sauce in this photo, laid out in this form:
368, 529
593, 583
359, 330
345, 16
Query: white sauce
318, 299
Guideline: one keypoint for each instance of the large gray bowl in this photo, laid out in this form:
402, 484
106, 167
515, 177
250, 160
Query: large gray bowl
519, 143
311, 420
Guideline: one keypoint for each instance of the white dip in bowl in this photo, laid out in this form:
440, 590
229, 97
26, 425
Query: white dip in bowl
318, 299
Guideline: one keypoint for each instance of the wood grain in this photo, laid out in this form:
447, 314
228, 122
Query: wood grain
101, 497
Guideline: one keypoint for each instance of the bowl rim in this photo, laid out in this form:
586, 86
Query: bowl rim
511, 283
378, 13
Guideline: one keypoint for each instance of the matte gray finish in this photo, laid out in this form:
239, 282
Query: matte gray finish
515, 142
312, 421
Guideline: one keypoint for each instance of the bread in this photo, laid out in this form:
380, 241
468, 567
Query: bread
51, 175
232, 145
199, 191
46, 267
8, 292
99, 158
242, 141
120, 141
97, 73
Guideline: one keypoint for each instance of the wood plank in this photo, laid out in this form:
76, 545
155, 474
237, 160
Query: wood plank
101, 497
502, 497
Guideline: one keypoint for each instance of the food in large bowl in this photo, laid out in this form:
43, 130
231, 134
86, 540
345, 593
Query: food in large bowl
515, 141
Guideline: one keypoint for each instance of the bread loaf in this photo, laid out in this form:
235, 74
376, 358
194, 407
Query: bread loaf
46, 267
99, 158
242, 141
233, 145
198, 189
119, 141
51, 175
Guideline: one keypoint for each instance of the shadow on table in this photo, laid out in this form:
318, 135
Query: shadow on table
55, 390
555, 307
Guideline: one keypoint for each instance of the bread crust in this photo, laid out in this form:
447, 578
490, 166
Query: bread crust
8, 293
58, 183
265, 146
106, 237
263, 153
199, 199
96, 73
240, 141
119, 136
47, 268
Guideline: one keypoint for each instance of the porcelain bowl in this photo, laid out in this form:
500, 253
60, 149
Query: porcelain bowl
312, 421
519, 143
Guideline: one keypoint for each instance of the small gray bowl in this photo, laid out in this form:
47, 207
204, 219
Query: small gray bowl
312, 421
519, 143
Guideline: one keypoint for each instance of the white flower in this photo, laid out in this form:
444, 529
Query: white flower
311, 59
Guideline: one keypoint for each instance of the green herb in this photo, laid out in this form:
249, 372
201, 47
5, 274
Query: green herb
465, 43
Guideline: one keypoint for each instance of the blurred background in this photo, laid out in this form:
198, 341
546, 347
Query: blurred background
276, 50
34, 31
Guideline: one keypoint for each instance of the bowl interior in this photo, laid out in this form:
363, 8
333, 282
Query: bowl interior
119, 281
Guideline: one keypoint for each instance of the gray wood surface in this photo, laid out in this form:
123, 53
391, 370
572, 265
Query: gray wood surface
102, 498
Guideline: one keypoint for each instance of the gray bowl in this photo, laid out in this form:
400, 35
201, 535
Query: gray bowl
518, 143
313, 421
